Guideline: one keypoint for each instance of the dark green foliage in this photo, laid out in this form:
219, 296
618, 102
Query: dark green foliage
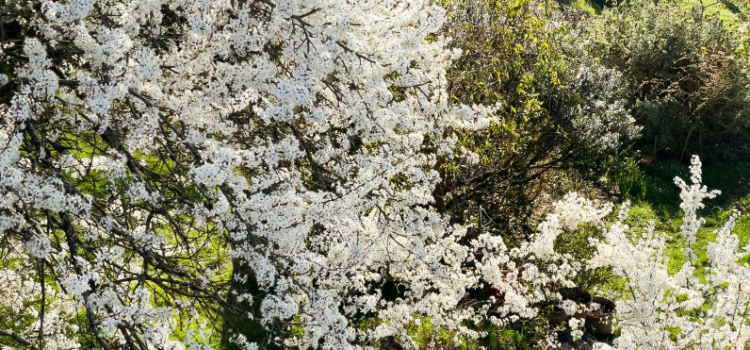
686, 82
234, 319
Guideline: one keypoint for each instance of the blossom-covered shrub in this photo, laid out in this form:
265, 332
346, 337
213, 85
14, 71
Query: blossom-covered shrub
659, 310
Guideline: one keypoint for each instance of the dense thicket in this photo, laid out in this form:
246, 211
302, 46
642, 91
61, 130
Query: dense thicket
559, 111
686, 80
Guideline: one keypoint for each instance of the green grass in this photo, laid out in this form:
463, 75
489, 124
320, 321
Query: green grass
731, 12
656, 198
593, 7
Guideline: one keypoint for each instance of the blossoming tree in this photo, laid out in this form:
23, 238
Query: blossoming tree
237, 163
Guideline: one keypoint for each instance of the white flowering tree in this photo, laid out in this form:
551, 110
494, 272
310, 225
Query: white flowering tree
172, 168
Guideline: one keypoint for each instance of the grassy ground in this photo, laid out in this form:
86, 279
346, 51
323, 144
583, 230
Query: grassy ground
656, 198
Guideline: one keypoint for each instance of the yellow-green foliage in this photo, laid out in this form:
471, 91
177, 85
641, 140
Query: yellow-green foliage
509, 56
521, 55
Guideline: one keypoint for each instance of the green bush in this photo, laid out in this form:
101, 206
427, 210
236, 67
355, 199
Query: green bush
686, 82
559, 112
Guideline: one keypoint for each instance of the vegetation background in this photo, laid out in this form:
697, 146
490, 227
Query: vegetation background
606, 98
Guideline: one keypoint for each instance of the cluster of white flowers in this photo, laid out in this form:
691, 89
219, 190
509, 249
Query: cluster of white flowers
19, 297
691, 201
41, 79
602, 122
